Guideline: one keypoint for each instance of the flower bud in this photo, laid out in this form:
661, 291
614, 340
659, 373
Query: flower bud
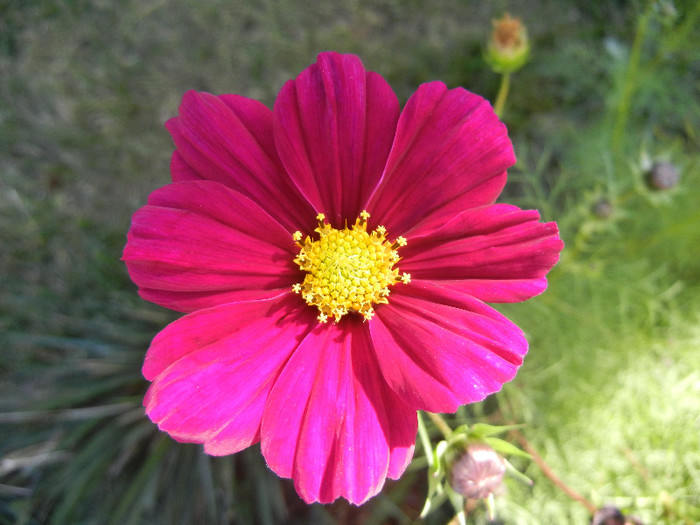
509, 48
666, 11
611, 515
663, 175
608, 515
603, 209
477, 472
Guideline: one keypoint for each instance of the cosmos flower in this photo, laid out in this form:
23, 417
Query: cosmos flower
334, 256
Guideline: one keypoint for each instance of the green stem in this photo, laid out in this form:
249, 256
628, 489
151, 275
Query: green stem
491, 506
628, 83
440, 424
425, 440
502, 94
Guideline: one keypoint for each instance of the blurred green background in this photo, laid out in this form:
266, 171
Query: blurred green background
610, 391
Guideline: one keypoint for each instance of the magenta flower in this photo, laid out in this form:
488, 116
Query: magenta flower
333, 256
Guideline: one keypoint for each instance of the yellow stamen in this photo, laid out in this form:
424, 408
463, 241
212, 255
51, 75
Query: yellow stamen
398, 243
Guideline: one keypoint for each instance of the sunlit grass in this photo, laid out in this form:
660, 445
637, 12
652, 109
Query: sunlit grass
622, 432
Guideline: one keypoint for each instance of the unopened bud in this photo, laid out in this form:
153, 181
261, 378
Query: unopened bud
611, 515
608, 515
509, 48
663, 175
478, 472
603, 209
666, 11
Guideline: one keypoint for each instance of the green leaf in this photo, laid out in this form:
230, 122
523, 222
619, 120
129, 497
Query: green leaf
505, 448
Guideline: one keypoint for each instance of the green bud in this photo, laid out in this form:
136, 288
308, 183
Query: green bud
509, 48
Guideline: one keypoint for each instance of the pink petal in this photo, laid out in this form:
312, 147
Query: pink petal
212, 370
450, 153
333, 128
496, 253
198, 244
180, 171
229, 139
332, 423
439, 348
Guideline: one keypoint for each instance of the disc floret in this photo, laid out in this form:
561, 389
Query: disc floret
347, 270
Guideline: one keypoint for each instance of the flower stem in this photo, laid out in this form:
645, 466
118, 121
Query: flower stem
425, 440
547, 471
623, 108
502, 95
440, 423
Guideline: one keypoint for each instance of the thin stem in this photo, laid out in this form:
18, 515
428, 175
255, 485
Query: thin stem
440, 423
425, 440
491, 506
628, 82
502, 94
547, 471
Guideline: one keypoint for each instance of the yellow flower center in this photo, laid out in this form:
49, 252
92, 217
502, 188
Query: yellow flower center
347, 270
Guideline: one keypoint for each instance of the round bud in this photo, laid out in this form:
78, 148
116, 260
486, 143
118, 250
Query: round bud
508, 48
663, 175
603, 209
608, 515
478, 472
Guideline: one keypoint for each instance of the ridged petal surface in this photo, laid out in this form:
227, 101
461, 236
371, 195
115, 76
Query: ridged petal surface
496, 253
449, 154
439, 348
212, 370
333, 128
199, 244
332, 423
228, 139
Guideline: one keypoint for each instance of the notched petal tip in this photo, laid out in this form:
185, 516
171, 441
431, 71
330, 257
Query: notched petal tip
212, 370
496, 253
333, 129
179, 248
450, 153
229, 139
457, 351
341, 437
